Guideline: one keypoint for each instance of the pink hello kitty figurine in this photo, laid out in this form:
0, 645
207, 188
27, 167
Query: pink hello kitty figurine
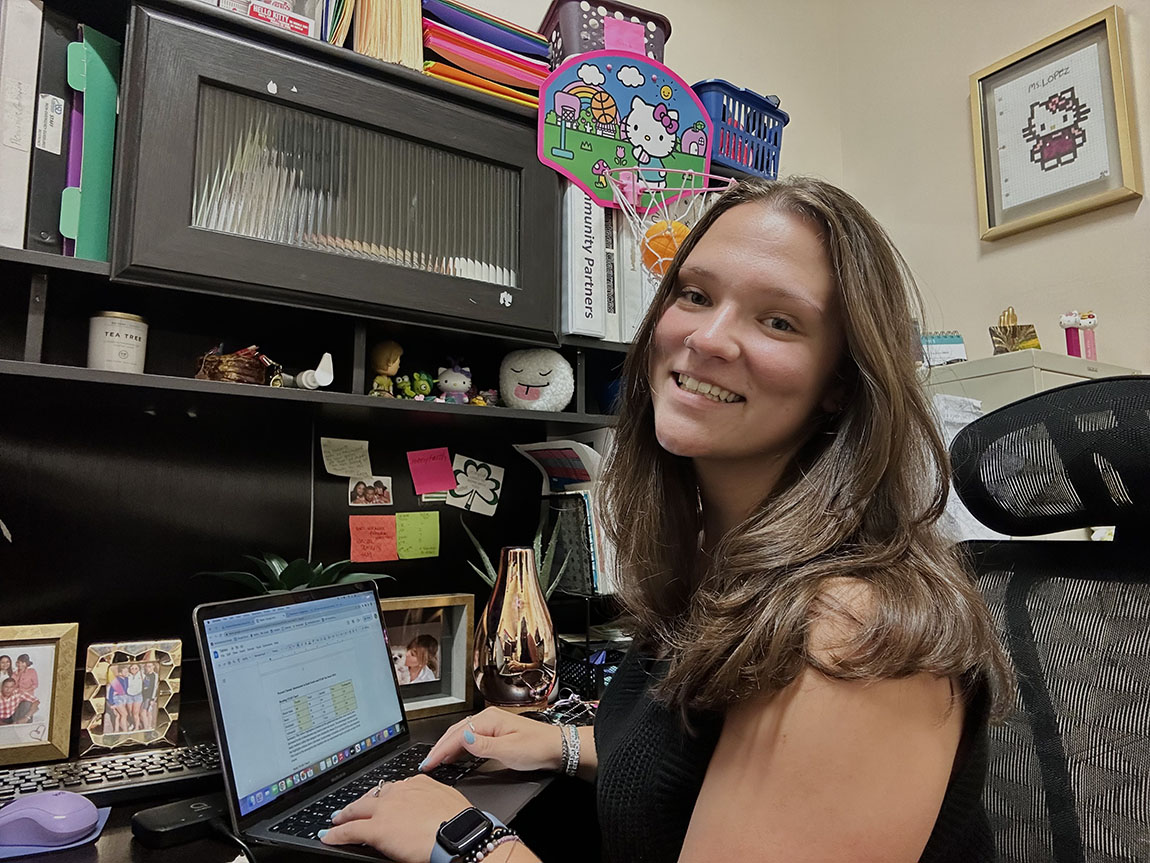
455, 384
1088, 322
1070, 322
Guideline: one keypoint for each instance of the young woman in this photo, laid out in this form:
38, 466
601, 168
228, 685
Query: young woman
135, 698
117, 699
150, 691
812, 670
6, 669
358, 494
422, 659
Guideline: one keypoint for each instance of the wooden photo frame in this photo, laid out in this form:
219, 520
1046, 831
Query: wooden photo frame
433, 638
1053, 128
42, 662
149, 718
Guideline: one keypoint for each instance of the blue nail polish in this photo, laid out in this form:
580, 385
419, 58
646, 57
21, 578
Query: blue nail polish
469, 736
321, 834
335, 814
423, 763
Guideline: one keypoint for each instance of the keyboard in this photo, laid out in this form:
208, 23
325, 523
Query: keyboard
116, 778
308, 821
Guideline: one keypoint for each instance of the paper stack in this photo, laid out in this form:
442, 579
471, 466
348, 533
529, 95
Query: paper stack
389, 30
476, 50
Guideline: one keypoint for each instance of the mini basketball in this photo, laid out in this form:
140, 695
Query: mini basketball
660, 243
603, 108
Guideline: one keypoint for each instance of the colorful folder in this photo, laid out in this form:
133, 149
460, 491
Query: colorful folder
94, 73
444, 72
488, 28
480, 58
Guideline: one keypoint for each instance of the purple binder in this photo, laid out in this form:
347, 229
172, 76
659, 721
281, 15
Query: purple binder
75, 155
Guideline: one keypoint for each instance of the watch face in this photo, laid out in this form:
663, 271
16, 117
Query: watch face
465, 831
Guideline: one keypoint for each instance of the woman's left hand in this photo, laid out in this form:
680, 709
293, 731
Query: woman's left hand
401, 822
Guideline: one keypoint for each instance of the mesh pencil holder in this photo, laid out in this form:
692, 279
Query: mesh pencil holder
748, 128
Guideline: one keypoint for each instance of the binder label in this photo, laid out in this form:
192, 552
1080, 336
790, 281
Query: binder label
16, 119
50, 124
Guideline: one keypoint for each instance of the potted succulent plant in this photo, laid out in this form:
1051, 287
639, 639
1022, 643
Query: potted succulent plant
273, 574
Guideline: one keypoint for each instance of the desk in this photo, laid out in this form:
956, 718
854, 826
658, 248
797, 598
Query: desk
501, 792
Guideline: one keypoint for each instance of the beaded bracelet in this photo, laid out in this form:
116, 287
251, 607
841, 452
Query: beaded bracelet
498, 836
570, 749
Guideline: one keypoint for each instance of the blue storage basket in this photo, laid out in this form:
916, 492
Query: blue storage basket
748, 128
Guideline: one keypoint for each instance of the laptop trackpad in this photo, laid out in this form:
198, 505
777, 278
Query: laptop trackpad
502, 793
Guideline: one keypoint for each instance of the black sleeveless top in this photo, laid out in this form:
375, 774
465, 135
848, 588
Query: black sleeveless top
651, 769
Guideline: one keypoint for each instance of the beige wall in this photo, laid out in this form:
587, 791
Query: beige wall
908, 155
878, 92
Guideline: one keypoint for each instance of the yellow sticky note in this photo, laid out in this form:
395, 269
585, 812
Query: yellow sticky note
417, 534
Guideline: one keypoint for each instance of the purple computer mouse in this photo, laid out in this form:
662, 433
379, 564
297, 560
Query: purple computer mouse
48, 818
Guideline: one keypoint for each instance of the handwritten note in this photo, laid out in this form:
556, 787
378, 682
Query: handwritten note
431, 470
373, 537
478, 485
345, 457
417, 534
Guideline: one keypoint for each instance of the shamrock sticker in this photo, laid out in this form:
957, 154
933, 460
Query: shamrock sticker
477, 485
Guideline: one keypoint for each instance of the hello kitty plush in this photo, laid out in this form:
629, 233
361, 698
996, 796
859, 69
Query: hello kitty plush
651, 130
454, 383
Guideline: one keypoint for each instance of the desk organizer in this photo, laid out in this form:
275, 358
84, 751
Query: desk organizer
748, 128
576, 27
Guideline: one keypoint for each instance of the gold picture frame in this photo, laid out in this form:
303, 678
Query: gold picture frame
1053, 128
44, 733
156, 723
439, 628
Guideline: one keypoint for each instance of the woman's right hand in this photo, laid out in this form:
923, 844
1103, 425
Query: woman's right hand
517, 742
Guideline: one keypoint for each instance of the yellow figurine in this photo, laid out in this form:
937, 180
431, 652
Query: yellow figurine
385, 361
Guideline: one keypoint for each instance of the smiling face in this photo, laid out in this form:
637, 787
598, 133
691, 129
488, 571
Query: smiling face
536, 379
745, 354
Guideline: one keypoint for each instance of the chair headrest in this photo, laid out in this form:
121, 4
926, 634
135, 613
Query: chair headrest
1077, 456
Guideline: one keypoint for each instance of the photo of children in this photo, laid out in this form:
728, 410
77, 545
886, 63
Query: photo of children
130, 697
26, 675
131, 691
371, 491
415, 636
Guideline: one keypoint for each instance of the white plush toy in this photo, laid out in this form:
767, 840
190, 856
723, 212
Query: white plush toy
537, 379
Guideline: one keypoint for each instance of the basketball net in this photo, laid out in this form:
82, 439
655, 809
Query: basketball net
661, 217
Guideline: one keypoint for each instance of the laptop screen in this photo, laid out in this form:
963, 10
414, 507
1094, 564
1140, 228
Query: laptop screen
300, 688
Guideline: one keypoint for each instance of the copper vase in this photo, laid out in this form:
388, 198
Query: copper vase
515, 649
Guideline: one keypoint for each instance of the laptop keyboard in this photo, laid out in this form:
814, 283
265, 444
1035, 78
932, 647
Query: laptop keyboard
309, 821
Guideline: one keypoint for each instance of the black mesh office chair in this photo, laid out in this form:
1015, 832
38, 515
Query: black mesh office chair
1069, 776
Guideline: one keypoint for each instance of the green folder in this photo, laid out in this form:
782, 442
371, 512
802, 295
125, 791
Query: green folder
94, 70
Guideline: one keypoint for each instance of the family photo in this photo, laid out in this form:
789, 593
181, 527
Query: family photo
131, 696
370, 491
415, 635
26, 674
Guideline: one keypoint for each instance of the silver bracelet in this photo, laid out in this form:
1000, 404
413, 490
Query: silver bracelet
571, 761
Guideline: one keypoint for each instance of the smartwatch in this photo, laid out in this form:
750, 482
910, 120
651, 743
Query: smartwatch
463, 834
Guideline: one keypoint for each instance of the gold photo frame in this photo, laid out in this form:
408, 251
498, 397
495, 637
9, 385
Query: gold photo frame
1053, 128
42, 664
131, 695
431, 639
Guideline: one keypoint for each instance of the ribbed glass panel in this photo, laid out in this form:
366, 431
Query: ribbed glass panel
280, 174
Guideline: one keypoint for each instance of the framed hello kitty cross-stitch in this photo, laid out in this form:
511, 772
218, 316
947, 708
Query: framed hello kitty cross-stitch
1052, 128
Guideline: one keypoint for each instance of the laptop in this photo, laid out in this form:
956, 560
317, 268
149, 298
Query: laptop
306, 709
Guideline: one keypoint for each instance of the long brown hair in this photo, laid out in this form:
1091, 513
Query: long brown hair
860, 501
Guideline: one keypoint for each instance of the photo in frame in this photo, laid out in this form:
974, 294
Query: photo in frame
430, 639
131, 695
1053, 133
37, 677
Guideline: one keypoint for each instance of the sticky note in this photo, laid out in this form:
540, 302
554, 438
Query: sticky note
345, 457
431, 470
417, 534
478, 485
623, 36
373, 537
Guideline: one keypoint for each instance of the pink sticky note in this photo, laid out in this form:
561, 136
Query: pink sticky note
622, 35
372, 538
431, 470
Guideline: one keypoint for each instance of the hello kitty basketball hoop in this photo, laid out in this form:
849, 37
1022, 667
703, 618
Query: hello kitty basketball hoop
661, 217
